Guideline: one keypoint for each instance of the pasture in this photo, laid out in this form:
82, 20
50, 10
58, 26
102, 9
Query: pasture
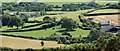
48, 32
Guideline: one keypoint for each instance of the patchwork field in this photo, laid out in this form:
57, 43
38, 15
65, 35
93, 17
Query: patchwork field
21, 43
114, 19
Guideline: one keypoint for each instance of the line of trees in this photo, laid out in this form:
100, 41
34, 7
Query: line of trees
31, 6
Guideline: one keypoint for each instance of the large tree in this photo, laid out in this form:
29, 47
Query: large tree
15, 21
5, 19
68, 23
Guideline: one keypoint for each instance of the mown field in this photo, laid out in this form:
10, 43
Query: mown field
114, 19
21, 43
105, 11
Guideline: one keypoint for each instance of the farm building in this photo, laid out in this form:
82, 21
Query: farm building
110, 29
104, 24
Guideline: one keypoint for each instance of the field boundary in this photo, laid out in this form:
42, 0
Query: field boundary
101, 14
26, 37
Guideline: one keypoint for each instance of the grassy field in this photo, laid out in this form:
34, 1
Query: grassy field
74, 15
48, 32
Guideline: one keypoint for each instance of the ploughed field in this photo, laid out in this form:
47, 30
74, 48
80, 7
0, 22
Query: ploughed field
114, 19
21, 43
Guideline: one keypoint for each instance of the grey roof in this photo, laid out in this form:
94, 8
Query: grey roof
106, 28
104, 23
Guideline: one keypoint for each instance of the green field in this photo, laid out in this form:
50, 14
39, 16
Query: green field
48, 32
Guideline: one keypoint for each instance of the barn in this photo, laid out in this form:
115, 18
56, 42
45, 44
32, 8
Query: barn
109, 29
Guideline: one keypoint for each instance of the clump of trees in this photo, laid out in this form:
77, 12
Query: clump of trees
88, 23
48, 19
68, 23
11, 21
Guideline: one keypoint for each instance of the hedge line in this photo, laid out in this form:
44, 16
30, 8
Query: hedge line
26, 37
41, 28
101, 14
33, 25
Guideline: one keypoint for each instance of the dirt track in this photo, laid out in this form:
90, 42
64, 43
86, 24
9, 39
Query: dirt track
114, 19
21, 43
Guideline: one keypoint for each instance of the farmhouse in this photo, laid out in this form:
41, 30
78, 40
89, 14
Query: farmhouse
110, 29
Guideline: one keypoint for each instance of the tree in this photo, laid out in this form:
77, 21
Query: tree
25, 19
48, 19
42, 43
42, 13
68, 23
5, 19
94, 35
15, 21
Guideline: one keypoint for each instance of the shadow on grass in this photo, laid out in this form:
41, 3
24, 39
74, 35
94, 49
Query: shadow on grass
66, 30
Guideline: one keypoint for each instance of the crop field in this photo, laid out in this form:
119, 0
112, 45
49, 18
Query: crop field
106, 11
21, 43
114, 19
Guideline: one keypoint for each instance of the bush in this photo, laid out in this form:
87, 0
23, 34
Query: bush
65, 33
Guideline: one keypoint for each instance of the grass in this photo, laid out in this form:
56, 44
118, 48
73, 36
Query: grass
27, 24
48, 32
74, 15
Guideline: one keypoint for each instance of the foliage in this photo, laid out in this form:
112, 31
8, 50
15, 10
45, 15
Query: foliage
48, 19
32, 6
68, 23
12, 21
42, 43
65, 33
88, 23
94, 34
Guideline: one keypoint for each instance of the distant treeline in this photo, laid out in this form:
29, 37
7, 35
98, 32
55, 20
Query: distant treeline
31, 6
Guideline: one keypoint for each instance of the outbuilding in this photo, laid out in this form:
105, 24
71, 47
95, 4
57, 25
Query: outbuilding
110, 29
